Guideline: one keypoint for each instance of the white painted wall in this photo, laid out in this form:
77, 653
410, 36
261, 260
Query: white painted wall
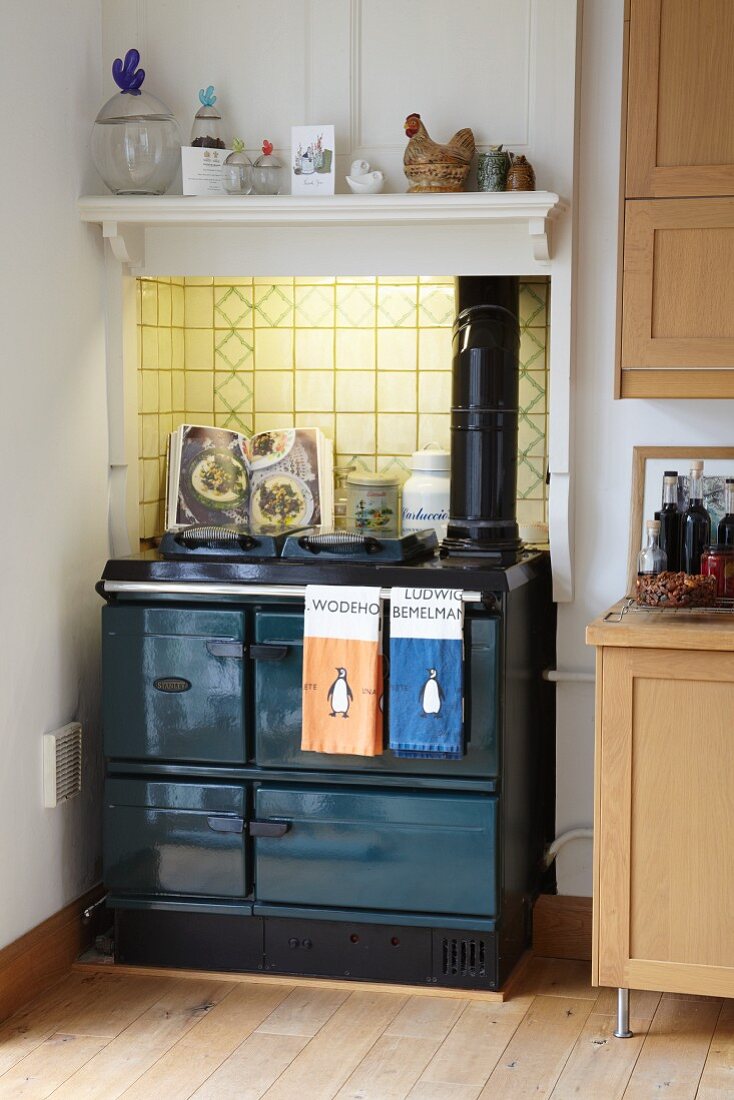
53, 452
605, 430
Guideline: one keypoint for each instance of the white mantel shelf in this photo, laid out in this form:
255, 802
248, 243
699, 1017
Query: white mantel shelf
126, 218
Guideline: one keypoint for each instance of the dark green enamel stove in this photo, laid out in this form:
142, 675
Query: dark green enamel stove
227, 847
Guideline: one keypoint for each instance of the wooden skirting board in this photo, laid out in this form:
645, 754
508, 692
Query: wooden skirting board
562, 927
36, 960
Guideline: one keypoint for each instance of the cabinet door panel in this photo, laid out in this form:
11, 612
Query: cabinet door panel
665, 849
678, 298
680, 137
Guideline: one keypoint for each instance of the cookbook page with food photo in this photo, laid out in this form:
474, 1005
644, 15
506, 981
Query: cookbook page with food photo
279, 478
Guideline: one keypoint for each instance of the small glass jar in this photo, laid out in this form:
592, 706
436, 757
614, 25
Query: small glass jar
237, 170
136, 142
206, 133
267, 172
372, 502
717, 561
340, 495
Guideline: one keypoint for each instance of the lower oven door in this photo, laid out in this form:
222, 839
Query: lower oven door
175, 838
278, 672
398, 851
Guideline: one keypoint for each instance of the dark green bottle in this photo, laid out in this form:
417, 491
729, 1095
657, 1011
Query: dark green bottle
695, 524
670, 518
726, 525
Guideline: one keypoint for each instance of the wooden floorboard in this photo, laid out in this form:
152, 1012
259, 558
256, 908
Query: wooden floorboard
153, 1036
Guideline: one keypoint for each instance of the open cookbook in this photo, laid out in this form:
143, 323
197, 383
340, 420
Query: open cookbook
280, 478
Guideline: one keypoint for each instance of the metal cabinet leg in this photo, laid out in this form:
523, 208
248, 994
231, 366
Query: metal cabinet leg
622, 1030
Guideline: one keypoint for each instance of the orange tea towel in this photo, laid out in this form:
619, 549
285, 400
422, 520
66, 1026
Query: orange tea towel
342, 671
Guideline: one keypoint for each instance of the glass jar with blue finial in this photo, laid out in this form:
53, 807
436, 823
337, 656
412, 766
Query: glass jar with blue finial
136, 143
206, 133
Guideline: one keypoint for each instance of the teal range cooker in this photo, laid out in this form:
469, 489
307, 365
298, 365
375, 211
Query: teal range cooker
226, 847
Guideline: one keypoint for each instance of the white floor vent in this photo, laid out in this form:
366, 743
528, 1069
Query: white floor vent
62, 764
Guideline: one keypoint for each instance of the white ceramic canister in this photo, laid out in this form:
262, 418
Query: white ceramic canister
426, 492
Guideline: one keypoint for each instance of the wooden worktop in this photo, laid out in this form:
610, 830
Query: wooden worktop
662, 630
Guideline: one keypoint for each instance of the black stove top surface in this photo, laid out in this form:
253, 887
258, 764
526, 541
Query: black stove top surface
480, 573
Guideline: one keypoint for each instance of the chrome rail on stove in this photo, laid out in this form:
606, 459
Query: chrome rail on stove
207, 588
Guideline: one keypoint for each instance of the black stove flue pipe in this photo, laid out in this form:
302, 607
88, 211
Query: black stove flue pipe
484, 420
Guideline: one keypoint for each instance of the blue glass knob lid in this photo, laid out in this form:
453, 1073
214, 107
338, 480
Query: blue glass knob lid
126, 74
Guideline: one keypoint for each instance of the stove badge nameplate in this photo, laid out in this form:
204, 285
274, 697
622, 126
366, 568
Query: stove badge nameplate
171, 685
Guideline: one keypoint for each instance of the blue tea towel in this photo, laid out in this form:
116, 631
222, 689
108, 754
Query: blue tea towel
427, 673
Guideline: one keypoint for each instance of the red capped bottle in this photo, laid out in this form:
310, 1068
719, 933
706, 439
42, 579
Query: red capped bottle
726, 525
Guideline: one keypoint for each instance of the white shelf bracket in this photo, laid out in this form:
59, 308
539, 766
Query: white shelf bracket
539, 230
126, 241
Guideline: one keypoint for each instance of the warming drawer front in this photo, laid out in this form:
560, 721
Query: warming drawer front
174, 684
178, 838
377, 850
277, 658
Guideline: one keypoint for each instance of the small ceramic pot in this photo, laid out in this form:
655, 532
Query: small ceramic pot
521, 175
492, 169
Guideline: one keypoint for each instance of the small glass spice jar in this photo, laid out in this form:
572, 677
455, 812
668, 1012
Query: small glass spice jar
237, 170
267, 172
206, 133
717, 561
372, 502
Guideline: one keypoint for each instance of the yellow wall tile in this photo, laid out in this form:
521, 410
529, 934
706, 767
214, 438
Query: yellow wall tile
150, 528
165, 424
315, 349
355, 349
227, 280
273, 306
355, 391
434, 428
273, 349
151, 479
164, 349
434, 391
314, 390
164, 392
178, 391
141, 479
273, 280
177, 305
150, 391
314, 306
198, 280
199, 306
396, 433
164, 303
356, 305
148, 302
199, 349
149, 448
396, 349
434, 349
396, 391
436, 306
273, 391
397, 306
355, 433
267, 420
177, 349
200, 392
325, 421
149, 348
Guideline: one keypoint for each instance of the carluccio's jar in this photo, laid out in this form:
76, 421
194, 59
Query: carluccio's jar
372, 502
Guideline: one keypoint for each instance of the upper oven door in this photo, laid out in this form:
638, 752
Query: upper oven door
278, 669
174, 683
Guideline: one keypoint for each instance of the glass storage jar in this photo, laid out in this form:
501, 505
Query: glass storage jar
237, 170
717, 561
267, 172
136, 142
372, 502
206, 133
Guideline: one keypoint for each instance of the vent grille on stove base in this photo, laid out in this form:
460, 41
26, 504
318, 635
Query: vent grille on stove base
62, 764
465, 958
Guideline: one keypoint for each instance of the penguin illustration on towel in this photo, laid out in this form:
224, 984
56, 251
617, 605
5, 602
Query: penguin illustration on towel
431, 695
340, 695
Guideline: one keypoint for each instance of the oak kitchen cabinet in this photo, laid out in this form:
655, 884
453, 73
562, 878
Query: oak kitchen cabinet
678, 268
664, 804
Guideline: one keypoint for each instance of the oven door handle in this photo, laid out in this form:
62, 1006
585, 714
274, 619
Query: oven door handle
270, 828
269, 652
226, 649
226, 824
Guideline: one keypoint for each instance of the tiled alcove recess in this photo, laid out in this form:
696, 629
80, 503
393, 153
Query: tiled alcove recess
368, 360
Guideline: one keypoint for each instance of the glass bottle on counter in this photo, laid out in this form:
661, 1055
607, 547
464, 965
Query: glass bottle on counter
726, 525
651, 560
669, 517
695, 523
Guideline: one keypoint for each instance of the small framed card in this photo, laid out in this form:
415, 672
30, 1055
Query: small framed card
201, 170
312, 168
